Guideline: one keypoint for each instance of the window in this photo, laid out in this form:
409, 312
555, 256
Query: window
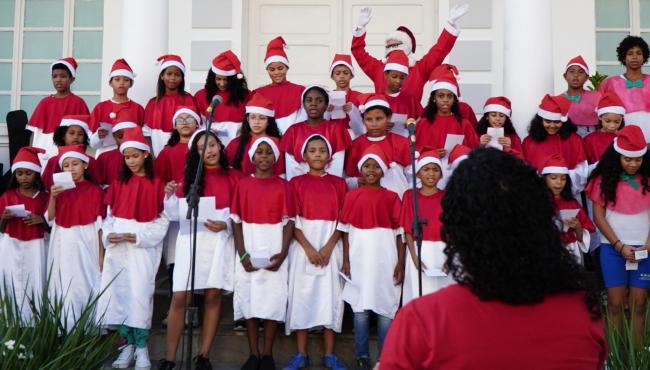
33, 33
616, 19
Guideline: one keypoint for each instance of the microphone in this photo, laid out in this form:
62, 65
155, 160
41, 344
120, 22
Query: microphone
410, 126
216, 100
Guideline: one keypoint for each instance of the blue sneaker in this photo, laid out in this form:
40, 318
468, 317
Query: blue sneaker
298, 361
332, 362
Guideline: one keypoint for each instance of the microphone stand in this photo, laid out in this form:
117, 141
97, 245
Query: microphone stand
417, 221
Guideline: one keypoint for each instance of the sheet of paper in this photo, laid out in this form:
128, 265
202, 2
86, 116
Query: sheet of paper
640, 255
311, 269
261, 258
566, 214
64, 179
452, 140
350, 292
337, 99
434, 272
18, 210
108, 139
495, 134
398, 120
629, 266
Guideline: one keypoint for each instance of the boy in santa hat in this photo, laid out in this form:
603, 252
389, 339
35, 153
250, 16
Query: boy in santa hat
109, 162
402, 103
341, 72
583, 102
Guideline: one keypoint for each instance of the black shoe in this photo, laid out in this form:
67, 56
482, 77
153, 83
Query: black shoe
362, 363
202, 363
253, 363
166, 365
239, 325
267, 363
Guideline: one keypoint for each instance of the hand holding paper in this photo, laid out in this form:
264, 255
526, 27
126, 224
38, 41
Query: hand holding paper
567, 214
337, 100
495, 134
18, 210
64, 180
452, 140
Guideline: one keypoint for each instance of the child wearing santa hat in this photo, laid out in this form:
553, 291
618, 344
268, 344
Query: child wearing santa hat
109, 161
22, 227
263, 228
429, 171
51, 109
132, 236
611, 114
75, 254
170, 94
373, 253
341, 72
403, 39
259, 120
120, 79
215, 252
285, 95
225, 79
552, 132
583, 102
619, 189
316, 255
496, 114
315, 100
402, 103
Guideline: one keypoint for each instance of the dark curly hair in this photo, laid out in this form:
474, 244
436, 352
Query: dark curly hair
609, 169
38, 182
431, 109
126, 173
245, 137
320, 90
628, 43
538, 133
387, 111
237, 87
192, 162
63, 67
566, 192
519, 259
58, 137
483, 124
160, 87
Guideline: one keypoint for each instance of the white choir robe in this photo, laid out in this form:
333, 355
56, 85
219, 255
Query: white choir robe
226, 131
433, 257
159, 138
314, 300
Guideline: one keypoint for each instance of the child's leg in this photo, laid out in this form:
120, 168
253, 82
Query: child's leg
383, 323
175, 323
328, 338
361, 332
301, 341
212, 309
252, 329
270, 328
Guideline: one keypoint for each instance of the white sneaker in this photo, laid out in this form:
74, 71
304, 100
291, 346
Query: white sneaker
125, 358
142, 358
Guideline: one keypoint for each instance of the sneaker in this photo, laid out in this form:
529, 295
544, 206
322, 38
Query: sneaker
298, 361
142, 358
202, 363
125, 358
239, 325
267, 363
166, 365
332, 362
253, 363
363, 363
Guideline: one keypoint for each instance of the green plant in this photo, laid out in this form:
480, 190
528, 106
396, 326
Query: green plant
596, 80
623, 351
42, 343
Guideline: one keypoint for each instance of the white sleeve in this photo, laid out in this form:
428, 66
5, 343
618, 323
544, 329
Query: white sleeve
153, 234
356, 122
335, 167
293, 168
95, 141
107, 226
171, 207
579, 176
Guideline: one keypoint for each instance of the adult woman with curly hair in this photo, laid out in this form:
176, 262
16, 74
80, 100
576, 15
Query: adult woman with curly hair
633, 86
521, 301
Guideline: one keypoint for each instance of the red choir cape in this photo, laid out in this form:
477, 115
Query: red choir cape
319, 197
571, 149
596, 143
434, 134
79, 206
395, 146
587, 226
140, 199
247, 167
630, 201
429, 209
467, 113
101, 113
158, 114
218, 183
405, 103
15, 227
263, 201
53, 167
418, 74
334, 131
108, 166
50, 110
224, 112
369, 208
170, 163
286, 97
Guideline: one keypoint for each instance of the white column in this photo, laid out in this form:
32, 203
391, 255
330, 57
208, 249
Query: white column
528, 58
144, 38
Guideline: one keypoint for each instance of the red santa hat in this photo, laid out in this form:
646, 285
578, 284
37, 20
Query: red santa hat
80, 120
261, 105
275, 52
554, 108
342, 60
499, 104
133, 138
443, 77
188, 110
369, 100
630, 142
555, 163
169, 60
610, 103
72, 151
406, 37
304, 144
126, 118
27, 157
274, 143
397, 61
458, 154
577, 61
375, 152
227, 64
121, 68
428, 156
69, 62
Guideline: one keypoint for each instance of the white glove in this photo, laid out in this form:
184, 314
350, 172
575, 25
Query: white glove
457, 12
364, 18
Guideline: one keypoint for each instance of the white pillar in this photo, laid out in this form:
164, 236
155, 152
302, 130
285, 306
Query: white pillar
144, 38
528, 58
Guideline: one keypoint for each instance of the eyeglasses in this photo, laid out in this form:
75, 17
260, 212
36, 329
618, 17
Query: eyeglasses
188, 120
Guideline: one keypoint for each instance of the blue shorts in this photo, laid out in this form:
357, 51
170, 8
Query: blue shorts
614, 274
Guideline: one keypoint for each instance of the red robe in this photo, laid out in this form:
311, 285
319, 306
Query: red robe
170, 163
571, 149
247, 167
319, 197
334, 131
139, 199
286, 98
583, 112
404, 103
434, 134
101, 113
277, 203
158, 114
467, 113
369, 208
224, 112
108, 166
50, 110
219, 184
80, 206
429, 208
53, 167
596, 143
15, 227
396, 148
